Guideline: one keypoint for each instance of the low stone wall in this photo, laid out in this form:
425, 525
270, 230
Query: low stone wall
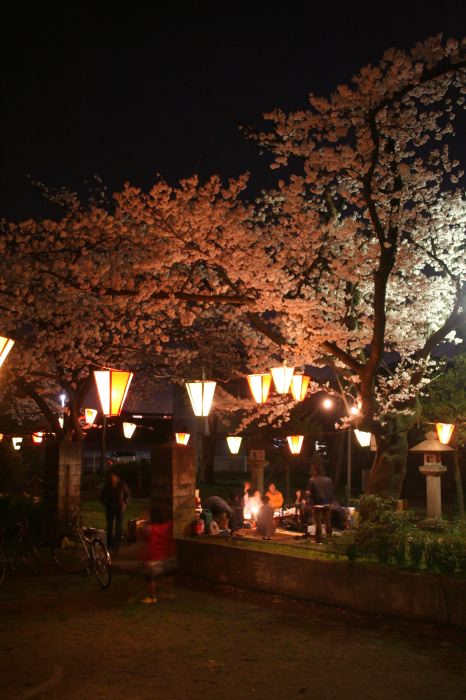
374, 589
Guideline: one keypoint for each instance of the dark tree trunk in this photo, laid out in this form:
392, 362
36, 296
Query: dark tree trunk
389, 468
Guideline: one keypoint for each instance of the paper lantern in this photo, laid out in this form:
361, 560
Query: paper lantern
37, 438
234, 443
17, 442
444, 432
90, 415
5, 346
128, 430
260, 386
282, 378
299, 384
1, 437
112, 387
201, 395
363, 438
295, 442
61, 421
182, 438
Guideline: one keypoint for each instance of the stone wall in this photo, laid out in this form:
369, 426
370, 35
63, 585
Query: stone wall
374, 589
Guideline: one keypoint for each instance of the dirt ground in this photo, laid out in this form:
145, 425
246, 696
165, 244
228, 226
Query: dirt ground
62, 637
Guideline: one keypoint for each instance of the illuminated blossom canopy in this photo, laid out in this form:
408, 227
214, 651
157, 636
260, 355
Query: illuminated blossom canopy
359, 250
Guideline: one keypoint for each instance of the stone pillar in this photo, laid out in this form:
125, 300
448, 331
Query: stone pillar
173, 485
62, 484
256, 464
434, 489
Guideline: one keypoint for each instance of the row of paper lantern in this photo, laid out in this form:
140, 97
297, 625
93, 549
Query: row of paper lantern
113, 386
201, 392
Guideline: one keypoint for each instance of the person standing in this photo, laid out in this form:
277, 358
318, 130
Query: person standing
114, 497
321, 488
265, 524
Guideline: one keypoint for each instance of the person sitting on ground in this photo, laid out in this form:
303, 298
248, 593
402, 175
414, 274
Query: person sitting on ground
265, 524
158, 553
217, 506
219, 525
275, 497
322, 498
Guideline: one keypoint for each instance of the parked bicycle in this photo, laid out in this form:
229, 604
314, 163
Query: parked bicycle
78, 551
20, 550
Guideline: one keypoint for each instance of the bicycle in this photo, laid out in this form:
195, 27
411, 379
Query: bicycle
22, 549
77, 551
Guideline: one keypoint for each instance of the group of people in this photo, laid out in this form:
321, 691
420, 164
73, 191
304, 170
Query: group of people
314, 506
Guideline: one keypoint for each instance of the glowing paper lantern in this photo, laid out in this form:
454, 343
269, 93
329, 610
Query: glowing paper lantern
112, 387
128, 430
234, 443
282, 378
37, 438
295, 442
201, 395
444, 432
90, 415
1, 437
363, 438
5, 346
299, 384
61, 420
17, 442
182, 438
260, 386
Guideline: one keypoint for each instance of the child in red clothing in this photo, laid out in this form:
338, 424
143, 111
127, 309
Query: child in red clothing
158, 554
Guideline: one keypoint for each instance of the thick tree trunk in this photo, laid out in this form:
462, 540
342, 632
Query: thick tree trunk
389, 468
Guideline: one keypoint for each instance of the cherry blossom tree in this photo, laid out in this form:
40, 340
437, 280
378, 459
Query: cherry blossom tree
359, 250
369, 229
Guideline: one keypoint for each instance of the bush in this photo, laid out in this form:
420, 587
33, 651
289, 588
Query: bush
392, 537
382, 530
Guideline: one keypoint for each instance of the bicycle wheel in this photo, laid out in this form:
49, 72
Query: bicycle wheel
69, 553
3, 562
102, 563
29, 556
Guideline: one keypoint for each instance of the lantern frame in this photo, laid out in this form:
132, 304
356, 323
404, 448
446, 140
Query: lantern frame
90, 414
295, 443
299, 385
444, 432
5, 346
17, 442
259, 385
112, 388
128, 429
182, 438
234, 443
201, 395
363, 437
282, 378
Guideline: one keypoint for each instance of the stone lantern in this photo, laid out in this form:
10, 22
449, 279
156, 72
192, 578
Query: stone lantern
432, 469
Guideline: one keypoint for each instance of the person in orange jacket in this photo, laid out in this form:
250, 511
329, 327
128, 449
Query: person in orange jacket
275, 497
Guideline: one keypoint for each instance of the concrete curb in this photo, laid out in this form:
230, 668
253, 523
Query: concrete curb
375, 589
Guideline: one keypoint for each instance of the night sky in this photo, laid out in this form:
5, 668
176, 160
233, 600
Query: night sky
131, 92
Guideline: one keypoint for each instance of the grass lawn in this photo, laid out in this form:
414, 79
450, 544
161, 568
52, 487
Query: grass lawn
93, 512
